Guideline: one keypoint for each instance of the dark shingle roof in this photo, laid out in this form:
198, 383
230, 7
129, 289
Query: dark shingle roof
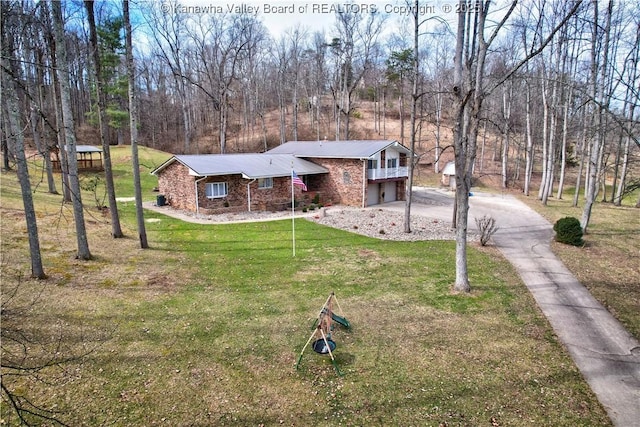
250, 166
355, 149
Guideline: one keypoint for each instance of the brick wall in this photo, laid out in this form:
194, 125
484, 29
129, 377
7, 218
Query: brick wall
343, 183
275, 198
175, 183
178, 187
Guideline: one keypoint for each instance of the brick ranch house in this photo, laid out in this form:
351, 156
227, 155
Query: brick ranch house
355, 173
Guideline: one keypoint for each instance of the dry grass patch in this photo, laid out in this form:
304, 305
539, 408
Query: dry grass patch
608, 263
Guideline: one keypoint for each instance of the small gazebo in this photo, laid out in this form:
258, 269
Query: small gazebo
89, 159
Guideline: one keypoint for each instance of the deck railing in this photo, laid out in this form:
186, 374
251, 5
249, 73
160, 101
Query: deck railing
386, 173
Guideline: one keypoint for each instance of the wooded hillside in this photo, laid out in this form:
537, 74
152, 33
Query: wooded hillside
222, 83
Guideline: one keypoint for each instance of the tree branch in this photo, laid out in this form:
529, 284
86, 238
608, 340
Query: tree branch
536, 52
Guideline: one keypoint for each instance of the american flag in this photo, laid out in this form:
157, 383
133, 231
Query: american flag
297, 181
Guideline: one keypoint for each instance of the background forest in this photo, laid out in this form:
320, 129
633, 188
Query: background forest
222, 83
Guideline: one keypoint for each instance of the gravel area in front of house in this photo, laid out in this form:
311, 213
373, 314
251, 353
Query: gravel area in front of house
254, 216
388, 225
374, 222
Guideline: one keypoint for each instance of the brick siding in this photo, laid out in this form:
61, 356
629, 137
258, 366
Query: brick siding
342, 185
178, 187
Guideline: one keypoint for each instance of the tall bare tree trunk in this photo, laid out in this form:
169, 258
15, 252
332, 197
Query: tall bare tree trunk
545, 136
384, 113
44, 150
401, 111
224, 120
414, 110
116, 229
551, 145
57, 107
15, 133
582, 144
483, 145
550, 127
468, 97
35, 83
62, 144
630, 108
507, 94
469, 92
133, 126
563, 148
598, 87
438, 98
571, 69
528, 152
69, 131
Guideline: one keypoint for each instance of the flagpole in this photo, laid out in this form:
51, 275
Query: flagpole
293, 215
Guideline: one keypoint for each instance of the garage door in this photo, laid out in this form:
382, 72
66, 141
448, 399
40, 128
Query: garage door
372, 194
390, 191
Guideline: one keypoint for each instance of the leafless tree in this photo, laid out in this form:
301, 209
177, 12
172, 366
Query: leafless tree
439, 66
631, 99
281, 62
42, 127
116, 229
469, 91
415, 68
83, 252
133, 125
352, 48
601, 98
168, 30
296, 38
10, 76
316, 76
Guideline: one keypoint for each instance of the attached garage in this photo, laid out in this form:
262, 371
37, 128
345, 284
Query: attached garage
382, 192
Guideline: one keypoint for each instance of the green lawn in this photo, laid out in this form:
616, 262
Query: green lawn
205, 328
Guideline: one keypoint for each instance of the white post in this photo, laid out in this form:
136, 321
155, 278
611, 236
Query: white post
249, 194
197, 181
293, 215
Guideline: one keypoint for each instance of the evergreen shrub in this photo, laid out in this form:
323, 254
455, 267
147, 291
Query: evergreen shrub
569, 231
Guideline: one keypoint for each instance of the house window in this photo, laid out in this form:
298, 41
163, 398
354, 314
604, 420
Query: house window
392, 163
265, 183
215, 190
372, 164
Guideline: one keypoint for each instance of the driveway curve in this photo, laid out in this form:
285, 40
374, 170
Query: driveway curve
607, 355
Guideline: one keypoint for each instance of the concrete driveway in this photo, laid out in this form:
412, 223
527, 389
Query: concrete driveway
606, 354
